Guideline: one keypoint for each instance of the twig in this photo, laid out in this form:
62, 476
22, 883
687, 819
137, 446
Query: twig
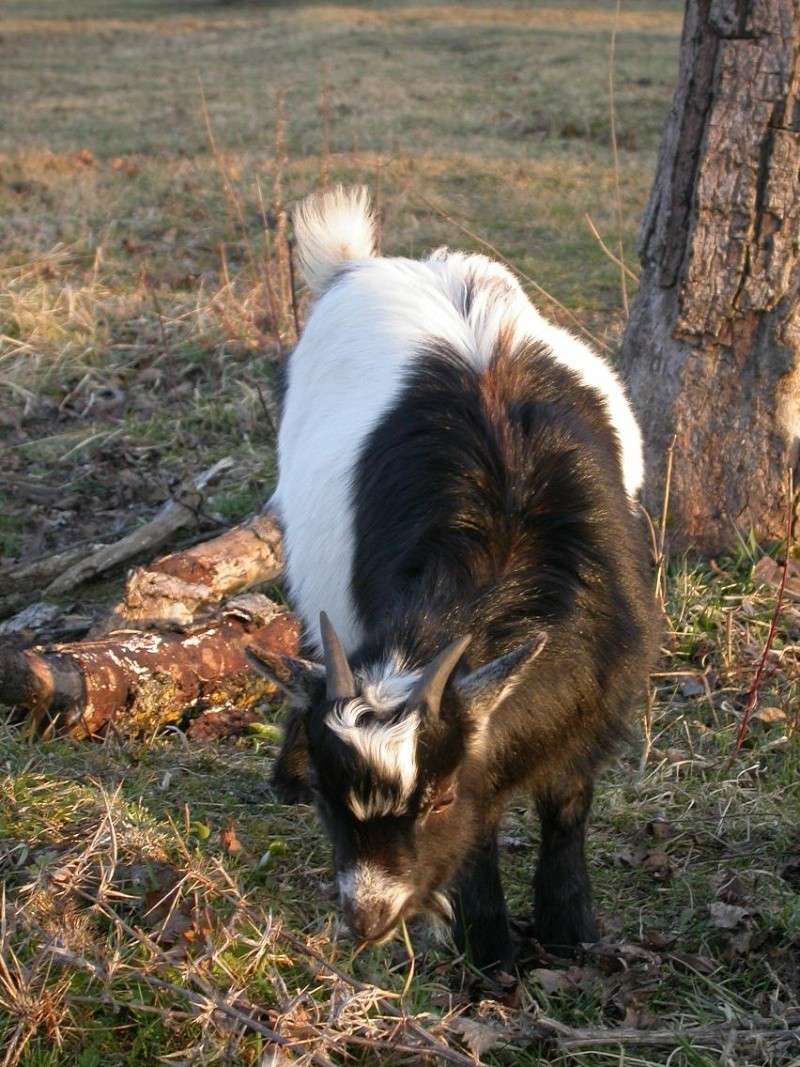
157, 305
197, 1000
292, 287
325, 125
573, 1038
614, 259
436, 1046
503, 259
234, 203
411, 959
612, 51
272, 299
180, 511
266, 411
752, 696
661, 589
31, 575
647, 727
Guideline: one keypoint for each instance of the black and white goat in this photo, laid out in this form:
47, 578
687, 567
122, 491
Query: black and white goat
457, 491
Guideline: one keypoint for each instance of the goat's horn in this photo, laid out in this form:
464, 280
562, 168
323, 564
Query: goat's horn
430, 687
339, 677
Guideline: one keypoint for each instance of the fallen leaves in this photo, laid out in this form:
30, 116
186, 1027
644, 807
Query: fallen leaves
621, 974
655, 861
769, 572
727, 916
229, 839
173, 917
215, 724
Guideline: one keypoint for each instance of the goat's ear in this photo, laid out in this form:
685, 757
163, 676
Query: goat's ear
296, 677
484, 688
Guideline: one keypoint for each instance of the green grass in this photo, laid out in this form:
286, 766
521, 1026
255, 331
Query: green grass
136, 348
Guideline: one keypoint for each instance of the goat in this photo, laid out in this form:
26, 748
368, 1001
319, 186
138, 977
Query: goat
457, 489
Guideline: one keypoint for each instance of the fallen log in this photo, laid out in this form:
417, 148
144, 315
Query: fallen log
138, 680
175, 588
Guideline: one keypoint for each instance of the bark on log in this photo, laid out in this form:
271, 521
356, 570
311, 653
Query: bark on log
139, 680
176, 587
711, 353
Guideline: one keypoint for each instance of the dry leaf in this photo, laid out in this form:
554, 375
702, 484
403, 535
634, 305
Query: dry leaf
727, 916
677, 755
659, 828
657, 941
770, 715
690, 687
769, 572
551, 981
228, 839
479, 1038
631, 856
221, 723
615, 956
692, 962
740, 943
730, 888
659, 865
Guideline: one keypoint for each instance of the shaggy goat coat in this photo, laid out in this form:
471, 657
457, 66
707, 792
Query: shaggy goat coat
451, 463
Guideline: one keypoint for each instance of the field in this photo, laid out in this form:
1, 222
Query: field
158, 905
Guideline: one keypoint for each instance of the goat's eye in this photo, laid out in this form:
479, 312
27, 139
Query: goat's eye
444, 800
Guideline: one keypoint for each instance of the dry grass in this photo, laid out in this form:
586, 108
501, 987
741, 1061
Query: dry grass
158, 906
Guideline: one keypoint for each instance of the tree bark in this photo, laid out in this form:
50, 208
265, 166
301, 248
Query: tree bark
711, 353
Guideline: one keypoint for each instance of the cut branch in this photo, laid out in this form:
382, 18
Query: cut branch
22, 579
176, 587
139, 680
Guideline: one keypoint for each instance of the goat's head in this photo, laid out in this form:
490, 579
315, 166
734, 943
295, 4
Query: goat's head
397, 761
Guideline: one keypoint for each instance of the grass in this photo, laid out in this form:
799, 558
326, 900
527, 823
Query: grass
158, 905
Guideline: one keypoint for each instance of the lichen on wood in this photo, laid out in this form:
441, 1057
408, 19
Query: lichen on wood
138, 680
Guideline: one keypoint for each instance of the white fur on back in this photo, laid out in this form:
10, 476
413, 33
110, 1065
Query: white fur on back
362, 337
331, 229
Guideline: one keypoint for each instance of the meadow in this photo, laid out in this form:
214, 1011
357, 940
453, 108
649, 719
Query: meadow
158, 905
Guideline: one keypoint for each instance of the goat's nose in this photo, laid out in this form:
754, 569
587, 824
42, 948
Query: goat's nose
370, 923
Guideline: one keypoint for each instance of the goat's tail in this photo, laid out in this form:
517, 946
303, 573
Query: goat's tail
332, 229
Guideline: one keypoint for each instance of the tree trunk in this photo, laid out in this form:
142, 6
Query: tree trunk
711, 353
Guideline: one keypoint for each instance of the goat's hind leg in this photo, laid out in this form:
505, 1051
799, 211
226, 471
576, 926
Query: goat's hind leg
563, 915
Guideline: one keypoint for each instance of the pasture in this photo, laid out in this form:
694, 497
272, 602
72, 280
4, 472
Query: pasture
158, 905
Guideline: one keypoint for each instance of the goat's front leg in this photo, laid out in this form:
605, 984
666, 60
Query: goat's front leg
289, 777
563, 898
481, 928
